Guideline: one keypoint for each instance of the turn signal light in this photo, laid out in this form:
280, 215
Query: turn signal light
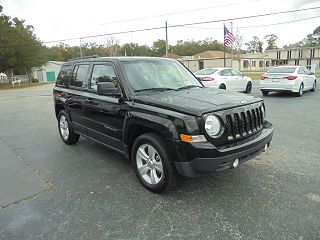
263, 77
291, 77
194, 138
207, 79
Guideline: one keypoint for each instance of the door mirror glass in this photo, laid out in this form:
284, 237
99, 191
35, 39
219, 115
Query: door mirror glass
107, 89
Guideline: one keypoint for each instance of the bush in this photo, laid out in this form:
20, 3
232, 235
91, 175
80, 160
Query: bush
34, 80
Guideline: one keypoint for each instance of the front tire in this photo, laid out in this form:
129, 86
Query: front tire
152, 164
222, 86
314, 87
248, 87
264, 92
66, 131
299, 94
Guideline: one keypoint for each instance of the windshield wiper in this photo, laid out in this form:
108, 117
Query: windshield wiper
154, 89
188, 87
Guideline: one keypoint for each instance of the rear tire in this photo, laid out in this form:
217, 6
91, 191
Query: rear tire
248, 87
222, 86
314, 87
66, 131
152, 164
299, 94
264, 92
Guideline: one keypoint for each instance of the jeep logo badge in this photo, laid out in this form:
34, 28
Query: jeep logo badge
243, 102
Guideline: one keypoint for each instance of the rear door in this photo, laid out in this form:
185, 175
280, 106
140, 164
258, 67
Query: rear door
308, 78
76, 96
238, 81
105, 114
228, 79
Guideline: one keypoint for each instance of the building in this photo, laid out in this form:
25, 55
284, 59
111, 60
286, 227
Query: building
206, 59
47, 72
304, 56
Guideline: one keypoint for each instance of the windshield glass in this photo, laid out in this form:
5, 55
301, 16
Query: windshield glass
282, 70
207, 71
158, 74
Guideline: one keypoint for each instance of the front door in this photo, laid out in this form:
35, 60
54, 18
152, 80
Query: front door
105, 114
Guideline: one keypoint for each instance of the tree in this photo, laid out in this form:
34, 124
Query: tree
271, 41
20, 49
159, 48
255, 45
310, 40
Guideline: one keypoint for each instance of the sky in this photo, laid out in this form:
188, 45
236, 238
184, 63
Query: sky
64, 19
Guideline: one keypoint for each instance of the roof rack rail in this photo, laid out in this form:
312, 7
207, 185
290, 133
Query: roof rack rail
85, 57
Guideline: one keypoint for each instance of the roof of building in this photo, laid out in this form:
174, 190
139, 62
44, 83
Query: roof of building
173, 56
211, 54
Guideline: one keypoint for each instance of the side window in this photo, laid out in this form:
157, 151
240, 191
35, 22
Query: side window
103, 73
301, 71
225, 72
235, 73
63, 78
79, 76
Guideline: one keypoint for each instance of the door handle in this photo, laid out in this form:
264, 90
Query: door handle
89, 101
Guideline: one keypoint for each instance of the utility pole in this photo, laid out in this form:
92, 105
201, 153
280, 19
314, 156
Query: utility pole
166, 39
224, 46
232, 44
80, 49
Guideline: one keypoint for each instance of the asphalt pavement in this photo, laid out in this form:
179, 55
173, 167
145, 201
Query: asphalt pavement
49, 190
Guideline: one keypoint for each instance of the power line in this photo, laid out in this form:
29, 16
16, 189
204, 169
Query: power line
176, 13
263, 25
183, 25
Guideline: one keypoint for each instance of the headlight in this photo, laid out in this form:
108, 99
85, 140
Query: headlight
213, 125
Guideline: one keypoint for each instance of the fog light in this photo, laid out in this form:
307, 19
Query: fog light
235, 163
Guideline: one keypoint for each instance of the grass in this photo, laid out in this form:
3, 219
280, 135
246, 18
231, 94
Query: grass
254, 75
22, 85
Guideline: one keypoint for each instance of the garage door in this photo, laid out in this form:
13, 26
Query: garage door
51, 76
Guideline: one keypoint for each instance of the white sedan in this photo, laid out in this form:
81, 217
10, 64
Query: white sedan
296, 79
225, 78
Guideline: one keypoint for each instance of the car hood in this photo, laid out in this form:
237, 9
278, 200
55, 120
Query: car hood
196, 101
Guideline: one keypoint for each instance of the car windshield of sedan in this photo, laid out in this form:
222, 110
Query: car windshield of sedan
158, 74
282, 70
207, 71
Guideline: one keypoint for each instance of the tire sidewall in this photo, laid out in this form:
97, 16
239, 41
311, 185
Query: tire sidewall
159, 145
248, 87
63, 113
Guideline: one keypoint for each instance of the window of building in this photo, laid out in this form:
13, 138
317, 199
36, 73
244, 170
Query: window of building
79, 76
300, 54
103, 73
289, 54
308, 61
245, 63
312, 53
296, 62
261, 64
285, 62
253, 63
278, 54
267, 64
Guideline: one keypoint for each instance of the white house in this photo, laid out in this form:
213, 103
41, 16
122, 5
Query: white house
47, 72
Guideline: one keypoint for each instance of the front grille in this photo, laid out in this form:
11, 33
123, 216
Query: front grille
244, 122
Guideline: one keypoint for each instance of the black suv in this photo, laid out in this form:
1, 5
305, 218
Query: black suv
158, 114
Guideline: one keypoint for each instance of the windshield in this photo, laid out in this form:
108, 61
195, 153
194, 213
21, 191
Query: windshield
207, 71
158, 74
282, 70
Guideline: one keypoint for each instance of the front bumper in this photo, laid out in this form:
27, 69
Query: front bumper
212, 159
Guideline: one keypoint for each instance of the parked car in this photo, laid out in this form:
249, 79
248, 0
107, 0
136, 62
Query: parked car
225, 78
156, 113
296, 79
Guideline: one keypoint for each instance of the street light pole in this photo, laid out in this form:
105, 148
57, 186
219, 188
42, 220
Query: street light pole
80, 49
166, 39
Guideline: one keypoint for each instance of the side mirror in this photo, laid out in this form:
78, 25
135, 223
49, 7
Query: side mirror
311, 73
107, 89
242, 75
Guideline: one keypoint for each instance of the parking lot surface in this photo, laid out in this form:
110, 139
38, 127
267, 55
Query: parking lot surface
87, 191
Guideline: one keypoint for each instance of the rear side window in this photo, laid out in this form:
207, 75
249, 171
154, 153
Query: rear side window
64, 76
79, 76
103, 73
225, 72
235, 72
282, 70
207, 71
